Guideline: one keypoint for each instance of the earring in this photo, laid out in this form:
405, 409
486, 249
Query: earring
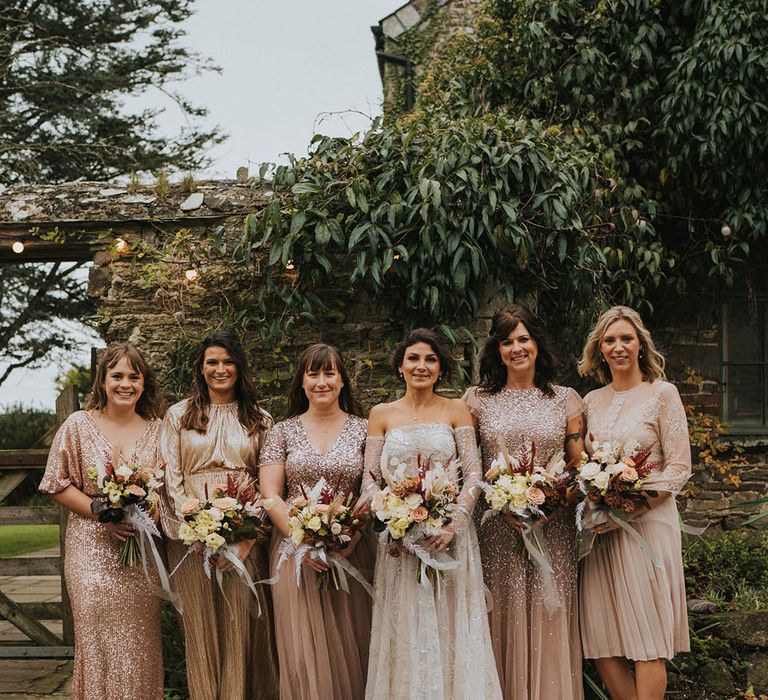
640, 354
602, 359
400, 374
440, 376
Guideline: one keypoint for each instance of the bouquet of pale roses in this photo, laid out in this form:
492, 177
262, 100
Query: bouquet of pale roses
322, 522
611, 482
514, 485
131, 496
611, 479
413, 505
235, 512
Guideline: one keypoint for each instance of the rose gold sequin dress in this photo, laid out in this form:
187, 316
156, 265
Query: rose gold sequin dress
538, 654
629, 606
116, 615
427, 645
230, 652
322, 635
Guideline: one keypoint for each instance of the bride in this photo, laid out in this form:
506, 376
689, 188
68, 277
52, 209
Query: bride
428, 643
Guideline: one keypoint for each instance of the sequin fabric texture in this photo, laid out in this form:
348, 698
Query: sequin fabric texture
230, 650
425, 645
322, 635
629, 606
116, 615
538, 654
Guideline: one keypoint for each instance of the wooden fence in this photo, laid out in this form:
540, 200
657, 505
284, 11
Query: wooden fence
15, 466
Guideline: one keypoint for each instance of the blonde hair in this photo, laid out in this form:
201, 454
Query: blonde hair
651, 361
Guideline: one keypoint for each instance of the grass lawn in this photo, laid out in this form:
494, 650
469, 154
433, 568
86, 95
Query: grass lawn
22, 539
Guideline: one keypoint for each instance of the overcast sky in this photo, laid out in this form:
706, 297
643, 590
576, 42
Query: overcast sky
285, 67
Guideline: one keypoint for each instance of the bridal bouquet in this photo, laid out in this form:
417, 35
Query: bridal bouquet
612, 484
414, 506
322, 522
612, 478
514, 485
131, 492
234, 513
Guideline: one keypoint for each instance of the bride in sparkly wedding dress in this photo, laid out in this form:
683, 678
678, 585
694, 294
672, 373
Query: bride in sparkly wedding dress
428, 643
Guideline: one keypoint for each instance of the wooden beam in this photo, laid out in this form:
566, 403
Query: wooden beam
37, 515
42, 611
30, 652
30, 566
66, 404
13, 459
9, 480
35, 630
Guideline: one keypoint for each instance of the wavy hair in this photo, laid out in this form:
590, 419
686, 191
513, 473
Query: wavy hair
251, 417
151, 403
592, 363
493, 372
428, 336
316, 357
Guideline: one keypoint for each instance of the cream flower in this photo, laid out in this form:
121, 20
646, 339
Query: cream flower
214, 541
629, 474
336, 529
602, 480
589, 471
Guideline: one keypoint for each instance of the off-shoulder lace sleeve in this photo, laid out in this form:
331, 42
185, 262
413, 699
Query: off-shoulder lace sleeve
170, 455
574, 404
374, 447
274, 449
472, 400
471, 470
61, 457
675, 444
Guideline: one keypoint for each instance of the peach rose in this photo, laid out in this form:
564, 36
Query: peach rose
135, 490
629, 474
492, 473
322, 508
420, 514
535, 496
191, 505
224, 503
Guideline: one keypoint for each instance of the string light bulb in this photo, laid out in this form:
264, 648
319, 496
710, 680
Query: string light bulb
289, 265
18, 247
726, 231
192, 274
121, 245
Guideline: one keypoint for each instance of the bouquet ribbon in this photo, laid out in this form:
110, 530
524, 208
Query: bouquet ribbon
595, 517
537, 550
341, 565
146, 531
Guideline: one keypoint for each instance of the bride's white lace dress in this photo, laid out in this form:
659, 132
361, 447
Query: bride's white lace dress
425, 645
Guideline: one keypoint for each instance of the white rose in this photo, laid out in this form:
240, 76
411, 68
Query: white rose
412, 500
336, 528
589, 471
124, 471
216, 514
602, 480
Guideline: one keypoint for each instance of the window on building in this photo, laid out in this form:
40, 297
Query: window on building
745, 363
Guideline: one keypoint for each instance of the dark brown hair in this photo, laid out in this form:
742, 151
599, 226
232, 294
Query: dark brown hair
316, 357
251, 417
428, 336
151, 403
493, 372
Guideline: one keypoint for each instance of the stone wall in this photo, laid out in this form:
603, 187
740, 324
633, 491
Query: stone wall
92, 216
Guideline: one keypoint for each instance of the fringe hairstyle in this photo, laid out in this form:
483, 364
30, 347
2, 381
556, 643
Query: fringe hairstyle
251, 417
493, 372
316, 357
592, 363
428, 336
151, 403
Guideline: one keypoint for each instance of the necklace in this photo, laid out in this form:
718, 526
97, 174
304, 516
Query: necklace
417, 414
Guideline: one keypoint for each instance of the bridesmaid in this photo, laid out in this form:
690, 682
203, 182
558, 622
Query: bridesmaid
216, 432
322, 635
116, 616
632, 609
538, 652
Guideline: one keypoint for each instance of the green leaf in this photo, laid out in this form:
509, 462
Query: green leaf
297, 222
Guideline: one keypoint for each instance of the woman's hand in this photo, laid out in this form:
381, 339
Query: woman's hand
314, 564
120, 531
439, 543
344, 553
243, 549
